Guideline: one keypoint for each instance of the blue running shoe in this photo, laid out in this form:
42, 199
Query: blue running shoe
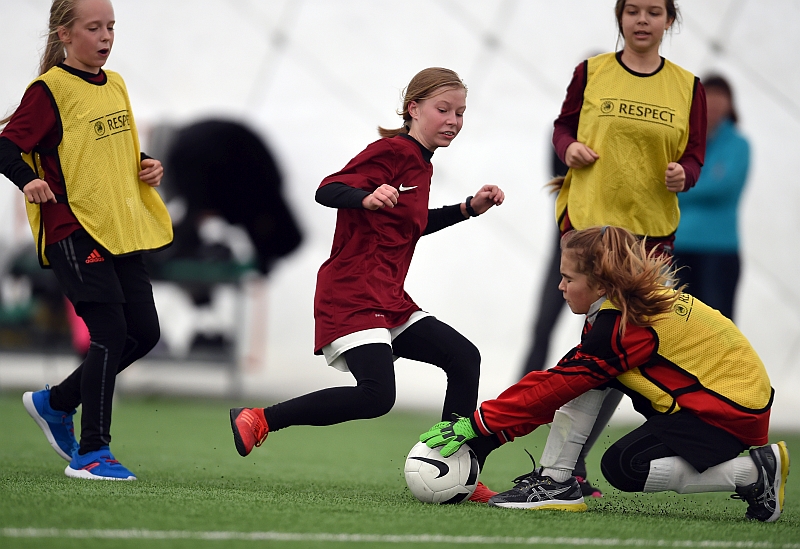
57, 426
97, 465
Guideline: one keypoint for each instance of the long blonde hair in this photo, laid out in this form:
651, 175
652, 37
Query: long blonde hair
555, 184
635, 281
424, 85
63, 13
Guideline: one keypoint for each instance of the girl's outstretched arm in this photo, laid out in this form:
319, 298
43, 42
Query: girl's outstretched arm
486, 197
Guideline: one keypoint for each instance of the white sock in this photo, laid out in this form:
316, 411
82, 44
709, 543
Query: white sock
676, 475
571, 426
558, 475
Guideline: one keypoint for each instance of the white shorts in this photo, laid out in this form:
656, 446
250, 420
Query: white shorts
334, 351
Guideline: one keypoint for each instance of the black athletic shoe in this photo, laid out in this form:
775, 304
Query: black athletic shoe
538, 492
765, 496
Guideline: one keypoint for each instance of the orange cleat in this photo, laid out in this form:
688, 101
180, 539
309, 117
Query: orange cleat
481, 493
249, 428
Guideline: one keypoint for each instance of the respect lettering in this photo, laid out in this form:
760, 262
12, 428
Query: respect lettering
117, 122
641, 111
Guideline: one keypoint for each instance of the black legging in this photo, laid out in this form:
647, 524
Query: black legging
120, 333
427, 340
626, 464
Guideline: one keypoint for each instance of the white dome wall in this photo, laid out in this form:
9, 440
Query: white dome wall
316, 77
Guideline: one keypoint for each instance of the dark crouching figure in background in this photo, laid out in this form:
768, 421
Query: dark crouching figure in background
221, 169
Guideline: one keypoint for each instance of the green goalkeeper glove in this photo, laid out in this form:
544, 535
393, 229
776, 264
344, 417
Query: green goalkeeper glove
449, 434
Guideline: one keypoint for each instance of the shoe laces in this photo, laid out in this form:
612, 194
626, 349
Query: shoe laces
528, 478
256, 426
66, 421
750, 496
755, 494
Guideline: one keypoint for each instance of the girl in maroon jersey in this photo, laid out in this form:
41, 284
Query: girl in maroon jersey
363, 316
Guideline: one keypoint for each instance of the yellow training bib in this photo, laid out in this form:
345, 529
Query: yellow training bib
99, 158
637, 124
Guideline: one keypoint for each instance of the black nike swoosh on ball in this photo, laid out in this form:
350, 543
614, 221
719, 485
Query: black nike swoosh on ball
442, 466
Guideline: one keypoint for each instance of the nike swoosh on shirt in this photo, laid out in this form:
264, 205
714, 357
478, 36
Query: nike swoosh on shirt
402, 188
80, 116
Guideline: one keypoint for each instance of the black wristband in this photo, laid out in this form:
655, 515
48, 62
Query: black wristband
470, 211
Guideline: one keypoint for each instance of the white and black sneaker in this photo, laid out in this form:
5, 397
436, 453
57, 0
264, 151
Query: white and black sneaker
538, 492
765, 496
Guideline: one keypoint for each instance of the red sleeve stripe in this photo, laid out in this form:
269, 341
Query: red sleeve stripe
479, 422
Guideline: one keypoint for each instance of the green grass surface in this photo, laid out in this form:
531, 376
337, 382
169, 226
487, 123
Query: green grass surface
337, 486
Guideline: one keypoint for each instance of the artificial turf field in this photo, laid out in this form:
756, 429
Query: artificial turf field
322, 487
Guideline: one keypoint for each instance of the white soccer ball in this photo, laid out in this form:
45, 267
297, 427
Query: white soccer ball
436, 479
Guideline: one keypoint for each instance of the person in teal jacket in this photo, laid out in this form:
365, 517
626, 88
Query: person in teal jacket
707, 240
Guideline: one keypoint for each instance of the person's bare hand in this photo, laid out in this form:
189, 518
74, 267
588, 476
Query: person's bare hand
485, 198
152, 172
579, 155
384, 196
675, 177
38, 192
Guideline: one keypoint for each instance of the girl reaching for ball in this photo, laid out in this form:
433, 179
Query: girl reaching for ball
703, 390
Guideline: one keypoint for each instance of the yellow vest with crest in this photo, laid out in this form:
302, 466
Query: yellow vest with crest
699, 350
637, 124
99, 158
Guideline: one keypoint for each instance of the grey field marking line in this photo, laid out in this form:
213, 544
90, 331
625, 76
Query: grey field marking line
33, 533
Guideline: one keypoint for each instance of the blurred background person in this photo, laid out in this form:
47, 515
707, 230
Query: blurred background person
707, 241
223, 170
225, 192
550, 300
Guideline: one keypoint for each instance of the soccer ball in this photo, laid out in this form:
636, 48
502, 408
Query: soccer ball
436, 479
